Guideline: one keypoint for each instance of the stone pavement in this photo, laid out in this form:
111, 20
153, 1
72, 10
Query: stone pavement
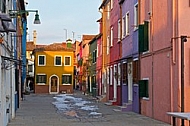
38, 110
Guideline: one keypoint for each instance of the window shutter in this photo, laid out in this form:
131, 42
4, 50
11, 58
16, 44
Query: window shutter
146, 93
141, 38
37, 79
146, 36
70, 79
45, 77
142, 88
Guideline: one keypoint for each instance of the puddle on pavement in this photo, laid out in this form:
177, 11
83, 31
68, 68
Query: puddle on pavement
70, 107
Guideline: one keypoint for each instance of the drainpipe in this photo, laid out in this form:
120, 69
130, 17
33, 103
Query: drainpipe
23, 55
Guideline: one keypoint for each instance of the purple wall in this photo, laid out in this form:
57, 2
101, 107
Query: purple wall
130, 50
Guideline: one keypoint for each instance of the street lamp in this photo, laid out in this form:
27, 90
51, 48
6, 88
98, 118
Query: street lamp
16, 13
24, 14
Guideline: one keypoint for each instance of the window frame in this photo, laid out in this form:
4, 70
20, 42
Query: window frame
37, 79
70, 75
39, 60
127, 23
136, 7
56, 60
65, 61
108, 44
145, 94
119, 30
123, 27
111, 36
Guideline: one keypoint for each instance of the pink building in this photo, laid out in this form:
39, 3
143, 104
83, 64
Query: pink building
162, 24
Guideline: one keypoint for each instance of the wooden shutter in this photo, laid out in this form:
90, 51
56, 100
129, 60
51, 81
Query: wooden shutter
143, 88
141, 38
37, 78
70, 79
146, 36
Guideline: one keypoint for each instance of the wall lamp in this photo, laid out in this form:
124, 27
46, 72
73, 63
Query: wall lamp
16, 13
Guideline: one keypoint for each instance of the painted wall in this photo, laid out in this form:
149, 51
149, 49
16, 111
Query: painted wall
162, 64
49, 69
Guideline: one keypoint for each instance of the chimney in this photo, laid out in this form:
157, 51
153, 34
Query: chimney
34, 37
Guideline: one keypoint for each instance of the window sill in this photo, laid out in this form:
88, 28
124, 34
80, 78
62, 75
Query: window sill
57, 65
41, 65
145, 98
66, 84
41, 84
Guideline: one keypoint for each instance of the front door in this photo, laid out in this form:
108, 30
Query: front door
54, 83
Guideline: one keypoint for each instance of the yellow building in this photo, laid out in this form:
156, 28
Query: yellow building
54, 69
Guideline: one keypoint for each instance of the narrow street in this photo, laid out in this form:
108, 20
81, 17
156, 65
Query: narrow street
74, 110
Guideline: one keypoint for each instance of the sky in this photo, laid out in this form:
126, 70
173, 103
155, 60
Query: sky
60, 17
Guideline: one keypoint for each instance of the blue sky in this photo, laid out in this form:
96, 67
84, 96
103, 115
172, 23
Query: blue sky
61, 16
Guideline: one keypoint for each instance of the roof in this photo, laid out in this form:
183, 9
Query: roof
95, 38
87, 37
103, 3
30, 46
55, 47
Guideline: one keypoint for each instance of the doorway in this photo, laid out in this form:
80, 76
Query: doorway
130, 81
54, 84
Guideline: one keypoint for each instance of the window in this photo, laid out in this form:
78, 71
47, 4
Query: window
135, 71
119, 30
58, 61
108, 76
30, 67
111, 37
41, 60
111, 75
136, 16
143, 88
94, 56
67, 79
108, 45
127, 23
123, 27
67, 61
41, 79
143, 37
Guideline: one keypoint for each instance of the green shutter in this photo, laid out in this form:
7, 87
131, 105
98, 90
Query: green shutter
70, 79
45, 78
37, 78
146, 36
141, 38
146, 86
143, 88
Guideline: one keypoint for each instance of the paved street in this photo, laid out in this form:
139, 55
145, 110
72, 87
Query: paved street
74, 110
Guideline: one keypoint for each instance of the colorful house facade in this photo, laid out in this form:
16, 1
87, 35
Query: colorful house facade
115, 53
163, 29
129, 60
83, 58
54, 69
105, 10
